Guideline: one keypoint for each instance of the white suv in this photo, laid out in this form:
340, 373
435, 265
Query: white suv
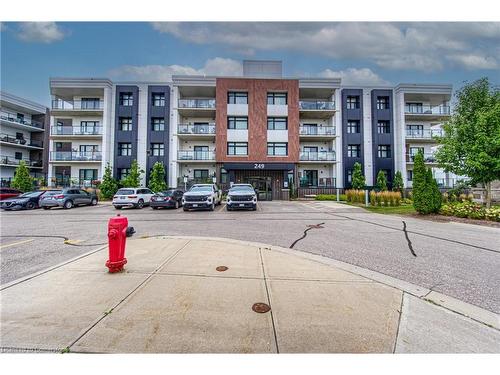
132, 197
202, 196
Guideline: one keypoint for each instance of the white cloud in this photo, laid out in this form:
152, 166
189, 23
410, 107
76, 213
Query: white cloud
354, 77
425, 46
40, 32
216, 66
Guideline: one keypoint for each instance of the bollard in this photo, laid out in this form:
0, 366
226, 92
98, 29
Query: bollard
366, 198
117, 237
338, 195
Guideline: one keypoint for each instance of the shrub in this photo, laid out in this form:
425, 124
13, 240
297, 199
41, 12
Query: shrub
358, 179
445, 197
373, 198
426, 195
343, 197
157, 178
109, 185
133, 179
326, 197
381, 184
22, 179
397, 183
355, 196
471, 210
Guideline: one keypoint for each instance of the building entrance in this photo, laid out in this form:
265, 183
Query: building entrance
262, 186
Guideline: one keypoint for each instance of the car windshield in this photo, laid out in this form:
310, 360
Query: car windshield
195, 189
124, 192
241, 188
30, 194
167, 193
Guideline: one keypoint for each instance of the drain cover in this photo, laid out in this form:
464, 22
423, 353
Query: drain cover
221, 268
260, 307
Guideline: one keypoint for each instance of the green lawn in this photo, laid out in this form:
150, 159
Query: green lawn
403, 209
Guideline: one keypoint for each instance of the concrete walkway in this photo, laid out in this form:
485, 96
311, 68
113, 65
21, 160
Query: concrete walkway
172, 299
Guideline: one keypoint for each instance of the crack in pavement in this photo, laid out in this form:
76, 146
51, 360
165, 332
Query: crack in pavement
410, 246
314, 226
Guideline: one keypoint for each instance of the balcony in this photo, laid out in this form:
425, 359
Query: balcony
189, 155
196, 107
322, 182
317, 132
11, 161
76, 156
93, 107
20, 142
20, 123
427, 111
196, 131
428, 158
316, 109
76, 131
424, 134
320, 156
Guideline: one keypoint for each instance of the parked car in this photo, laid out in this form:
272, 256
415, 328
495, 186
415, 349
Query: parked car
169, 198
68, 198
26, 201
202, 196
132, 197
9, 193
241, 196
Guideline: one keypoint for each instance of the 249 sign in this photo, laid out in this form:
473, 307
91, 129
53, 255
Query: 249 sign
259, 166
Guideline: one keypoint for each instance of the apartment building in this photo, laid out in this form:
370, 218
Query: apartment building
22, 136
260, 128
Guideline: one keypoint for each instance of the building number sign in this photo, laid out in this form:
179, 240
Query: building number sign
258, 166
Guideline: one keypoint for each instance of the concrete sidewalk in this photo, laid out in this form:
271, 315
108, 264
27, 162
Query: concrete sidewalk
171, 299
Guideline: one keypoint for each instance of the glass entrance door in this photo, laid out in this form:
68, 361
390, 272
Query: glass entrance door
262, 186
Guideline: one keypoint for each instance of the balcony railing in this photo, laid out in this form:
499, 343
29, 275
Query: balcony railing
423, 133
20, 141
195, 155
317, 130
428, 158
11, 160
76, 130
317, 156
323, 182
316, 105
427, 109
12, 118
196, 128
77, 105
75, 156
197, 103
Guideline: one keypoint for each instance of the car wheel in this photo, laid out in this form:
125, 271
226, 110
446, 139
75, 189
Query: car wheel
212, 207
94, 202
140, 204
154, 208
254, 208
116, 208
228, 208
176, 205
46, 208
30, 205
185, 208
68, 204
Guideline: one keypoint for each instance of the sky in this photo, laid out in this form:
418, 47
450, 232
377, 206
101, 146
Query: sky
364, 53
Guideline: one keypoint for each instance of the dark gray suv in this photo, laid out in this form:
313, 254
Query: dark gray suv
68, 198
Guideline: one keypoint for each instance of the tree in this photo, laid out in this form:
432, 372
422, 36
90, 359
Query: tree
470, 145
133, 179
22, 179
433, 195
381, 181
109, 185
419, 182
397, 183
358, 179
157, 178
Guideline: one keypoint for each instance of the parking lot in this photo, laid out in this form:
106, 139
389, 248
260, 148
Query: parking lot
460, 260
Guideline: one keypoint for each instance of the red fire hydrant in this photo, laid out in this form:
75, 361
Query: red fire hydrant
117, 237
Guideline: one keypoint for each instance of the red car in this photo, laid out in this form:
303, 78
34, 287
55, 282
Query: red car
8, 193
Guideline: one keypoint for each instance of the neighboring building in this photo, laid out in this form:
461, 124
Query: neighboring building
259, 128
22, 136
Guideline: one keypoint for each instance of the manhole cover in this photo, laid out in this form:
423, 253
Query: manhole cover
221, 268
260, 307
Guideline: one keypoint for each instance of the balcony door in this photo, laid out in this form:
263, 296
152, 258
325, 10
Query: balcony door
311, 129
201, 152
200, 128
309, 178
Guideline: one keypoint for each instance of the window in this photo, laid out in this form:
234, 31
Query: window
277, 149
20, 118
237, 98
309, 178
19, 135
382, 102
415, 131
239, 123
277, 123
353, 151
123, 173
201, 153
353, 127
409, 175
277, 98
126, 99
383, 127
18, 156
90, 103
158, 124
352, 102
158, 100
237, 148
89, 127
201, 174
157, 149
384, 151
414, 151
88, 174
89, 148
124, 149
224, 176
414, 107
349, 176
125, 124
